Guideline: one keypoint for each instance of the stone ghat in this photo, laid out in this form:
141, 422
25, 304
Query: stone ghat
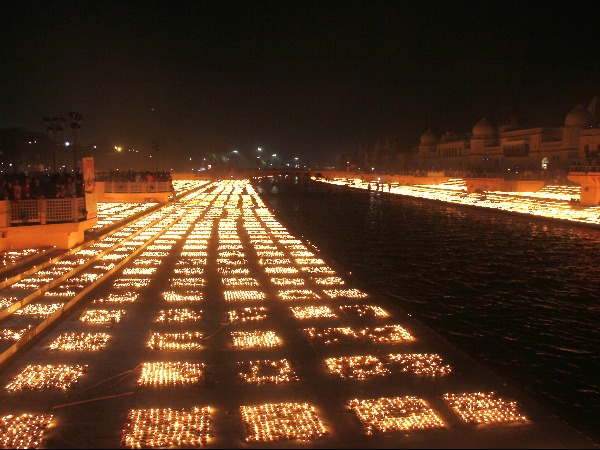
227, 331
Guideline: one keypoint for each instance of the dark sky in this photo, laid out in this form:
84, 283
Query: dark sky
298, 79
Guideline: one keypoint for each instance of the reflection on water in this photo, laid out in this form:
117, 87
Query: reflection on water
518, 294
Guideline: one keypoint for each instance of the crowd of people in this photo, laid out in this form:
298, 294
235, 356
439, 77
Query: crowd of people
41, 185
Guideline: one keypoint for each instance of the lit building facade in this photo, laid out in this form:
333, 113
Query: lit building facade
510, 147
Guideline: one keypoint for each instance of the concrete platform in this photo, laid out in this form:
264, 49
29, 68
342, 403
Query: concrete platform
94, 412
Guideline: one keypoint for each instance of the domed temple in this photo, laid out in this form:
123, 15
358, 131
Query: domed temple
497, 149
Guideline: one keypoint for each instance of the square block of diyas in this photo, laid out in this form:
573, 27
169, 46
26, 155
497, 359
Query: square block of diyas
139, 271
196, 247
270, 254
35, 377
310, 261
231, 254
363, 311
189, 271
230, 247
255, 339
5, 302
125, 297
187, 296
232, 261
145, 262
175, 341
193, 254
147, 428
277, 421
251, 313
102, 316
131, 283
395, 414
484, 408
335, 335
274, 262
191, 262
357, 367
385, 334
345, 293
425, 364
281, 270
171, 374
288, 281
13, 334
328, 281
239, 282
318, 270
80, 341
188, 282
179, 315
266, 371
233, 271
312, 312
298, 294
24, 430
39, 309
240, 296
303, 253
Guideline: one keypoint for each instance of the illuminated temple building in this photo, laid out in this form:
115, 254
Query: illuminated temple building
490, 148
495, 149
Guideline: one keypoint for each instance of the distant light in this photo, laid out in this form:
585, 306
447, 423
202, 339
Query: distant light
296, 158
259, 149
67, 144
93, 146
274, 155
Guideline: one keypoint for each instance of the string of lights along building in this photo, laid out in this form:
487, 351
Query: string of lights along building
211, 325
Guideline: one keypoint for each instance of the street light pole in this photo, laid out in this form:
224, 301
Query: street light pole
55, 125
76, 125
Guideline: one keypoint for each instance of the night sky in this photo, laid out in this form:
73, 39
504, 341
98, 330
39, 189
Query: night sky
298, 79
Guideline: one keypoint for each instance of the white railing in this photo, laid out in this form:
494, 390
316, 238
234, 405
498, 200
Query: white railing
42, 211
133, 187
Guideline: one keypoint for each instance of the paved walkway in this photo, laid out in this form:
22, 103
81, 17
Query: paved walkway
228, 332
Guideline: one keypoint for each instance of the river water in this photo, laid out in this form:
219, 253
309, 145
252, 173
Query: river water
520, 294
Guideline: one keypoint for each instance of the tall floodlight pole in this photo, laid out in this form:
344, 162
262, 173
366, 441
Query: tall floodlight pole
76, 125
55, 125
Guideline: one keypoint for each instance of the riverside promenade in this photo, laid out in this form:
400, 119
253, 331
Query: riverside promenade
206, 323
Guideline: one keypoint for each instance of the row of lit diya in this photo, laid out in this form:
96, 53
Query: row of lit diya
360, 367
272, 422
